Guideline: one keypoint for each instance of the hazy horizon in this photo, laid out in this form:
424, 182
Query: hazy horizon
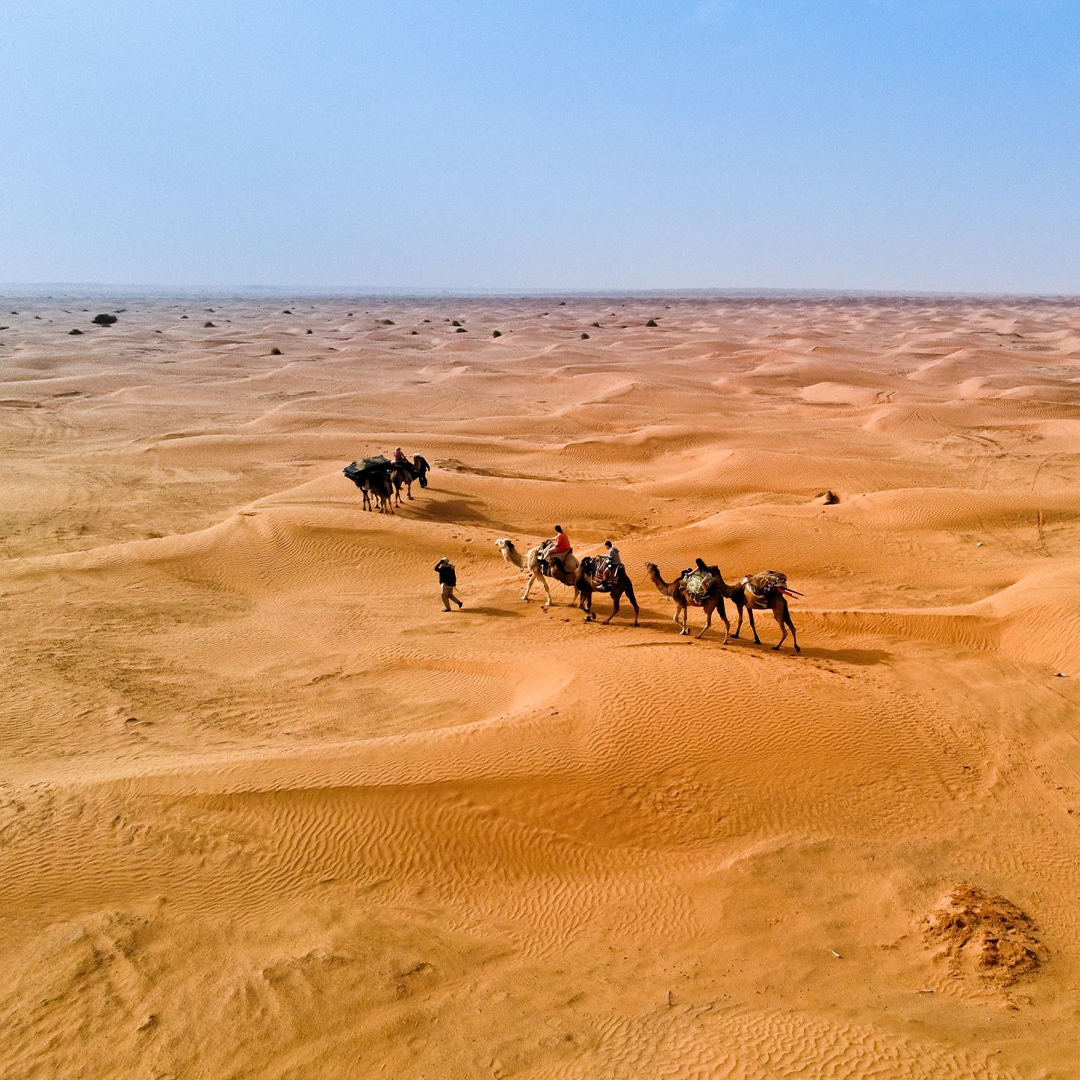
885, 148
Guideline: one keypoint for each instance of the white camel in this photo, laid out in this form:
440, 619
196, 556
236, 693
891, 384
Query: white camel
530, 564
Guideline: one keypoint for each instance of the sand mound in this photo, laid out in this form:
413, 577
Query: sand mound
980, 933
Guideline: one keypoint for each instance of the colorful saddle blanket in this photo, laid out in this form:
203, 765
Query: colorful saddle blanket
698, 584
604, 573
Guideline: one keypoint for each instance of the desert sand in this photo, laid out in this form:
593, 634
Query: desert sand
268, 811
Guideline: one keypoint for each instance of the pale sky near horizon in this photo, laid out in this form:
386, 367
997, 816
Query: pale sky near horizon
868, 144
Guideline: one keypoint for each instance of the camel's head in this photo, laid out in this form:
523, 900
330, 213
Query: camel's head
651, 567
505, 546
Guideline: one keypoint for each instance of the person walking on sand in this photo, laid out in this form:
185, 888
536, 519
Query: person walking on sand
447, 580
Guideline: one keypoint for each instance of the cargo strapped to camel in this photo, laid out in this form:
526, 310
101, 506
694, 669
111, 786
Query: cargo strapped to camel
698, 584
767, 583
355, 472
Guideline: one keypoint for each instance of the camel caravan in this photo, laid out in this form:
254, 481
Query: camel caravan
700, 586
380, 479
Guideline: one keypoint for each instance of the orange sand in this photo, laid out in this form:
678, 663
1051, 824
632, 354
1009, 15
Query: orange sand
267, 811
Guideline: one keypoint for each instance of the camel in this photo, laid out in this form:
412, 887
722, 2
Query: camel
587, 585
376, 487
402, 475
710, 602
530, 563
735, 593
372, 477
769, 590
674, 591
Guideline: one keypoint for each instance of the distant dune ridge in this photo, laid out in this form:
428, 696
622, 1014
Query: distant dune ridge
266, 810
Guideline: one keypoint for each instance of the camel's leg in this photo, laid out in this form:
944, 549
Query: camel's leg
685, 620
632, 598
408, 488
528, 586
615, 598
739, 607
750, 616
708, 620
723, 615
788, 622
783, 621
547, 591
586, 604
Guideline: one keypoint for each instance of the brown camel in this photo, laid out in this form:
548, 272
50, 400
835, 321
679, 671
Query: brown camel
735, 593
674, 591
588, 583
713, 599
377, 487
769, 590
567, 574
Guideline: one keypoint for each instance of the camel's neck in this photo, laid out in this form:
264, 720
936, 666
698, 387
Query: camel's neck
514, 556
658, 581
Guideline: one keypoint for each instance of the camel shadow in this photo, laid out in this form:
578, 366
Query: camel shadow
459, 511
715, 636
861, 657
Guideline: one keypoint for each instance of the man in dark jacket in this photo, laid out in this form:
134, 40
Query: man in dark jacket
447, 580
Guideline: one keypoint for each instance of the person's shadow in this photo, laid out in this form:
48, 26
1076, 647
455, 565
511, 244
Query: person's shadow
499, 612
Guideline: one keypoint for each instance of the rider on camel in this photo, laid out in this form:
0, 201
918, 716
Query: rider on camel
558, 547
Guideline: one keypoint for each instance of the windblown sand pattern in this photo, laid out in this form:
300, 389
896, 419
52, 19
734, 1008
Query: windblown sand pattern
267, 811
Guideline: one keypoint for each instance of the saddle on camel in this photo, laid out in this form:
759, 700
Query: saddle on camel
603, 571
698, 583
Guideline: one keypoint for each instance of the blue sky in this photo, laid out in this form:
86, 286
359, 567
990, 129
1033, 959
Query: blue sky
873, 144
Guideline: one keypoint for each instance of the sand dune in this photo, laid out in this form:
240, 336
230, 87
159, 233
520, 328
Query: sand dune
266, 810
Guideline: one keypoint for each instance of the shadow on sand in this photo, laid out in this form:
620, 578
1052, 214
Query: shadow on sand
501, 612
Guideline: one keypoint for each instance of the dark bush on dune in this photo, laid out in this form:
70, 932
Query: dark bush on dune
455, 323
386, 322
461, 330
74, 331
309, 331
104, 320
496, 333
652, 322
208, 323
584, 337
275, 351
286, 312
